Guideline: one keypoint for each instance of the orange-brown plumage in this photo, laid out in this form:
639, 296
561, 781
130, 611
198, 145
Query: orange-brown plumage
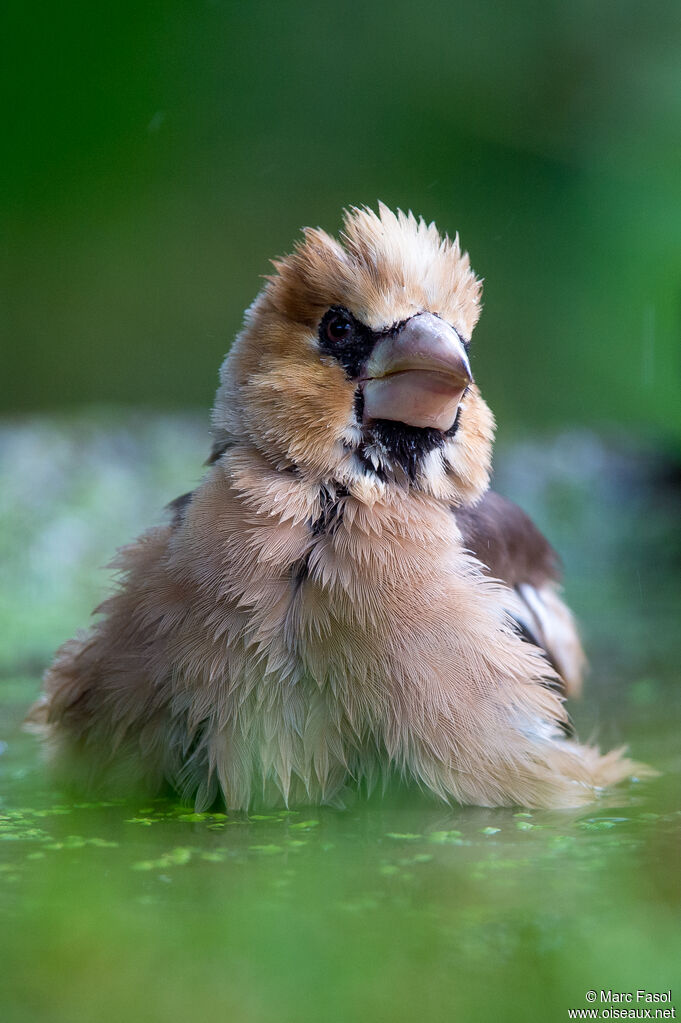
320, 611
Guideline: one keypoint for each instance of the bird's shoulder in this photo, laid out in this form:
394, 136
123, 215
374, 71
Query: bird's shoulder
507, 542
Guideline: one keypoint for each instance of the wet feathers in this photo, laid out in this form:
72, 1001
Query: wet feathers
341, 600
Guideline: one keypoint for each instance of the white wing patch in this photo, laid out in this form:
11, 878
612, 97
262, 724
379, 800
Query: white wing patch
550, 623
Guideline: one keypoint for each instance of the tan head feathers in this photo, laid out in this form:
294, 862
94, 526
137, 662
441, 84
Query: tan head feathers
385, 267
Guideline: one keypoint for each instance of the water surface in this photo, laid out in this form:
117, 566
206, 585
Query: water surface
391, 909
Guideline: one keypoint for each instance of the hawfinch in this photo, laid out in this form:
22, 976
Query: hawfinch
341, 600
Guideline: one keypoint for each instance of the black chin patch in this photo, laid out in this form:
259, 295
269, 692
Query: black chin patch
404, 447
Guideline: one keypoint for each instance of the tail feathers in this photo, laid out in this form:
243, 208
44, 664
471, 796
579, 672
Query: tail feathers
558, 774
614, 767
568, 775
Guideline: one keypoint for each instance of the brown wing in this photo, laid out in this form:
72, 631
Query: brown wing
507, 542
512, 549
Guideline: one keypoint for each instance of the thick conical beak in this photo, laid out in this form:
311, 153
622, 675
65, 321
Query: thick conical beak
418, 375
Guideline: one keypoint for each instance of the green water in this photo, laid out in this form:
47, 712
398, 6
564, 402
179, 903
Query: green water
393, 909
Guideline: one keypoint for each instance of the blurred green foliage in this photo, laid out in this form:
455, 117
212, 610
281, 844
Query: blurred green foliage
158, 154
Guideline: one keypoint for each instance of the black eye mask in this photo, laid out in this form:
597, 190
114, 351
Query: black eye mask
350, 342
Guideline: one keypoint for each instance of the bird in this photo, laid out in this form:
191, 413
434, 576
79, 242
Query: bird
342, 601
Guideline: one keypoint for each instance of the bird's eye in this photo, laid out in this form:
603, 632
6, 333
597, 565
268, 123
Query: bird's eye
338, 327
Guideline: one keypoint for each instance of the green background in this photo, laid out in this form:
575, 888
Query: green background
157, 155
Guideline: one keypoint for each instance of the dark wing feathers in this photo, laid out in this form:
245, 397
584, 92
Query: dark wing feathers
507, 542
513, 550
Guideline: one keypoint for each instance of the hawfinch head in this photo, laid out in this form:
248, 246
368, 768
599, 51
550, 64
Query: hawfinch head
353, 366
